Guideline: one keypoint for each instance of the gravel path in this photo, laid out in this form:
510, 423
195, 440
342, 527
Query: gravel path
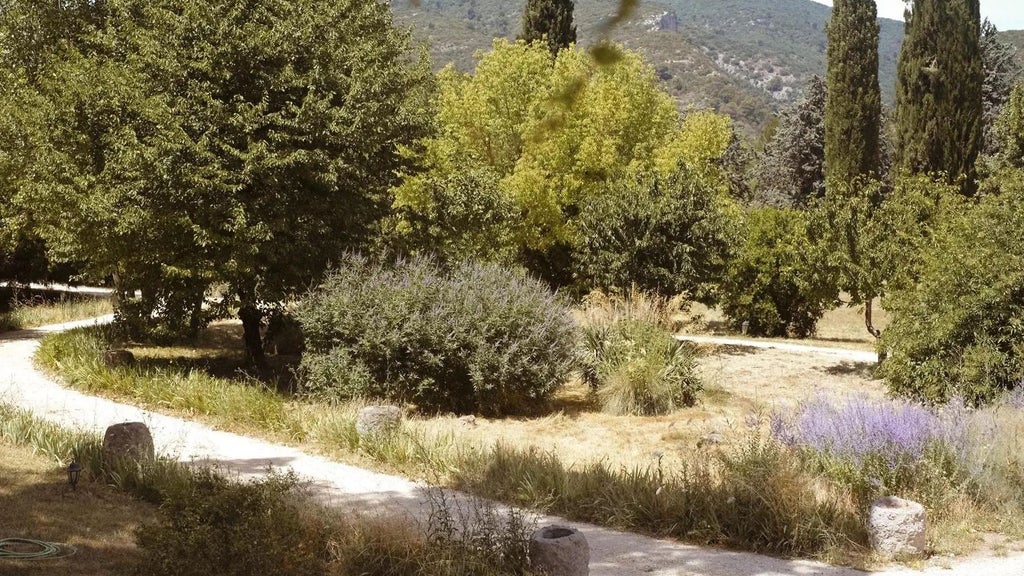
837, 353
613, 553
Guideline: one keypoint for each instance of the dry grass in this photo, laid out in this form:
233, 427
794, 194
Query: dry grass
36, 503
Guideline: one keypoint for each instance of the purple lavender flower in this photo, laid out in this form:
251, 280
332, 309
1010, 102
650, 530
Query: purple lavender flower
859, 429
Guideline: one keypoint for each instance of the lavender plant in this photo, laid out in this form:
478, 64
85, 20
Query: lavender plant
879, 447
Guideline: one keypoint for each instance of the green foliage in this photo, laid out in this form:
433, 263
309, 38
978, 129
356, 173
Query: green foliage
773, 282
957, 332
549, 130
869, 233
237, 142
793, 167
549, 21
1002, 70
670, 235
213, 526
1010, 129
939, 91
479, 338
853, 105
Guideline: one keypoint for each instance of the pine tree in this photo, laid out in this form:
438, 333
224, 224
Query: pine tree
550, 21
939, 91
853, 104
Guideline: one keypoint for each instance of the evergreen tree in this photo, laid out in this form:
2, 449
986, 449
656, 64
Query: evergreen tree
853, 103
550, 21
1001, 71
793, 169
939, 91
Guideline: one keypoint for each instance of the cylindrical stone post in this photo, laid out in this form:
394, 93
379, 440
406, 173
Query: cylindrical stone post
560, 551
896, 526
377, 421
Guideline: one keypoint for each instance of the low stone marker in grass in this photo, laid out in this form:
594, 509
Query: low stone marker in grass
376, 421
118, 358
560, 551
896, 526
127, 441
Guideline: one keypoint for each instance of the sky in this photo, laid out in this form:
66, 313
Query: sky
1005, 14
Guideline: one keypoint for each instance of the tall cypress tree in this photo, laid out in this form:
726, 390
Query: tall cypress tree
853, 105
938, 91
550, 21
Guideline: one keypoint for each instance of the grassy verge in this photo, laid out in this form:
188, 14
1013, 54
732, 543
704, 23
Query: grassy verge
31, 314
209, 525
753, 498
98, 521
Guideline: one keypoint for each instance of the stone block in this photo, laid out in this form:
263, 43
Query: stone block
896, 527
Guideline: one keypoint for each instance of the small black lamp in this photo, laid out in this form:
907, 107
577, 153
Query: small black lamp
74, 469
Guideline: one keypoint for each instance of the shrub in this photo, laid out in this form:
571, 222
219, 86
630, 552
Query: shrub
882, 447
213, 526
958, 330
636, 365
480, 338
773, 282
669, 235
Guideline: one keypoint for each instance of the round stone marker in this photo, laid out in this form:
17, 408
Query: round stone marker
560, 551
896, 526
378, 421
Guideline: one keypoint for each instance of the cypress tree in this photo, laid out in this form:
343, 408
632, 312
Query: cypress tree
853, 104
550, 21
938, 91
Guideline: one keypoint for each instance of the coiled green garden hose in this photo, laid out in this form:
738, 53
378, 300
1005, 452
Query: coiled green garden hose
43, 549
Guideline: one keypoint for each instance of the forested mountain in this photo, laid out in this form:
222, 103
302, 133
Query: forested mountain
742, 57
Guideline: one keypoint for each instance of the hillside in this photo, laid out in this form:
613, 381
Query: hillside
746, 58
1016, 38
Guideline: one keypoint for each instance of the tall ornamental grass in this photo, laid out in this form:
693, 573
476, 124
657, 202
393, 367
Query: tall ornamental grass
630, 358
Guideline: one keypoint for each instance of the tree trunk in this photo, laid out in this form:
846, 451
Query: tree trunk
869, 322
251, 317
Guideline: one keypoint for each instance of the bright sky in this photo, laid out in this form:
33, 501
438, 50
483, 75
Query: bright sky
1005, 14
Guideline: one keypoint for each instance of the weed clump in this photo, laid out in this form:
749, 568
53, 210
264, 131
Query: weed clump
476, 339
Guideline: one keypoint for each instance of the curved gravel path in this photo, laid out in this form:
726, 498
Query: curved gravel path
613, 553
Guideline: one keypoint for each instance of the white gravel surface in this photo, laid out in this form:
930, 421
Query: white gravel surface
613, 553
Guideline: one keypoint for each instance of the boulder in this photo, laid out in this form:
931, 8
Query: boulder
128, 441
896, 526
378, 420
116, 358
559, 551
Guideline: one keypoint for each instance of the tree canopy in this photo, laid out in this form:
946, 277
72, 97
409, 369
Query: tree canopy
247, 143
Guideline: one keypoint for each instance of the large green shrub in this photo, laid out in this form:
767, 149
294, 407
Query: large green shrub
478, 338
959, 331
773, 281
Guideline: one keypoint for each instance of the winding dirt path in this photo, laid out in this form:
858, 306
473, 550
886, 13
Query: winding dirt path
613, 553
